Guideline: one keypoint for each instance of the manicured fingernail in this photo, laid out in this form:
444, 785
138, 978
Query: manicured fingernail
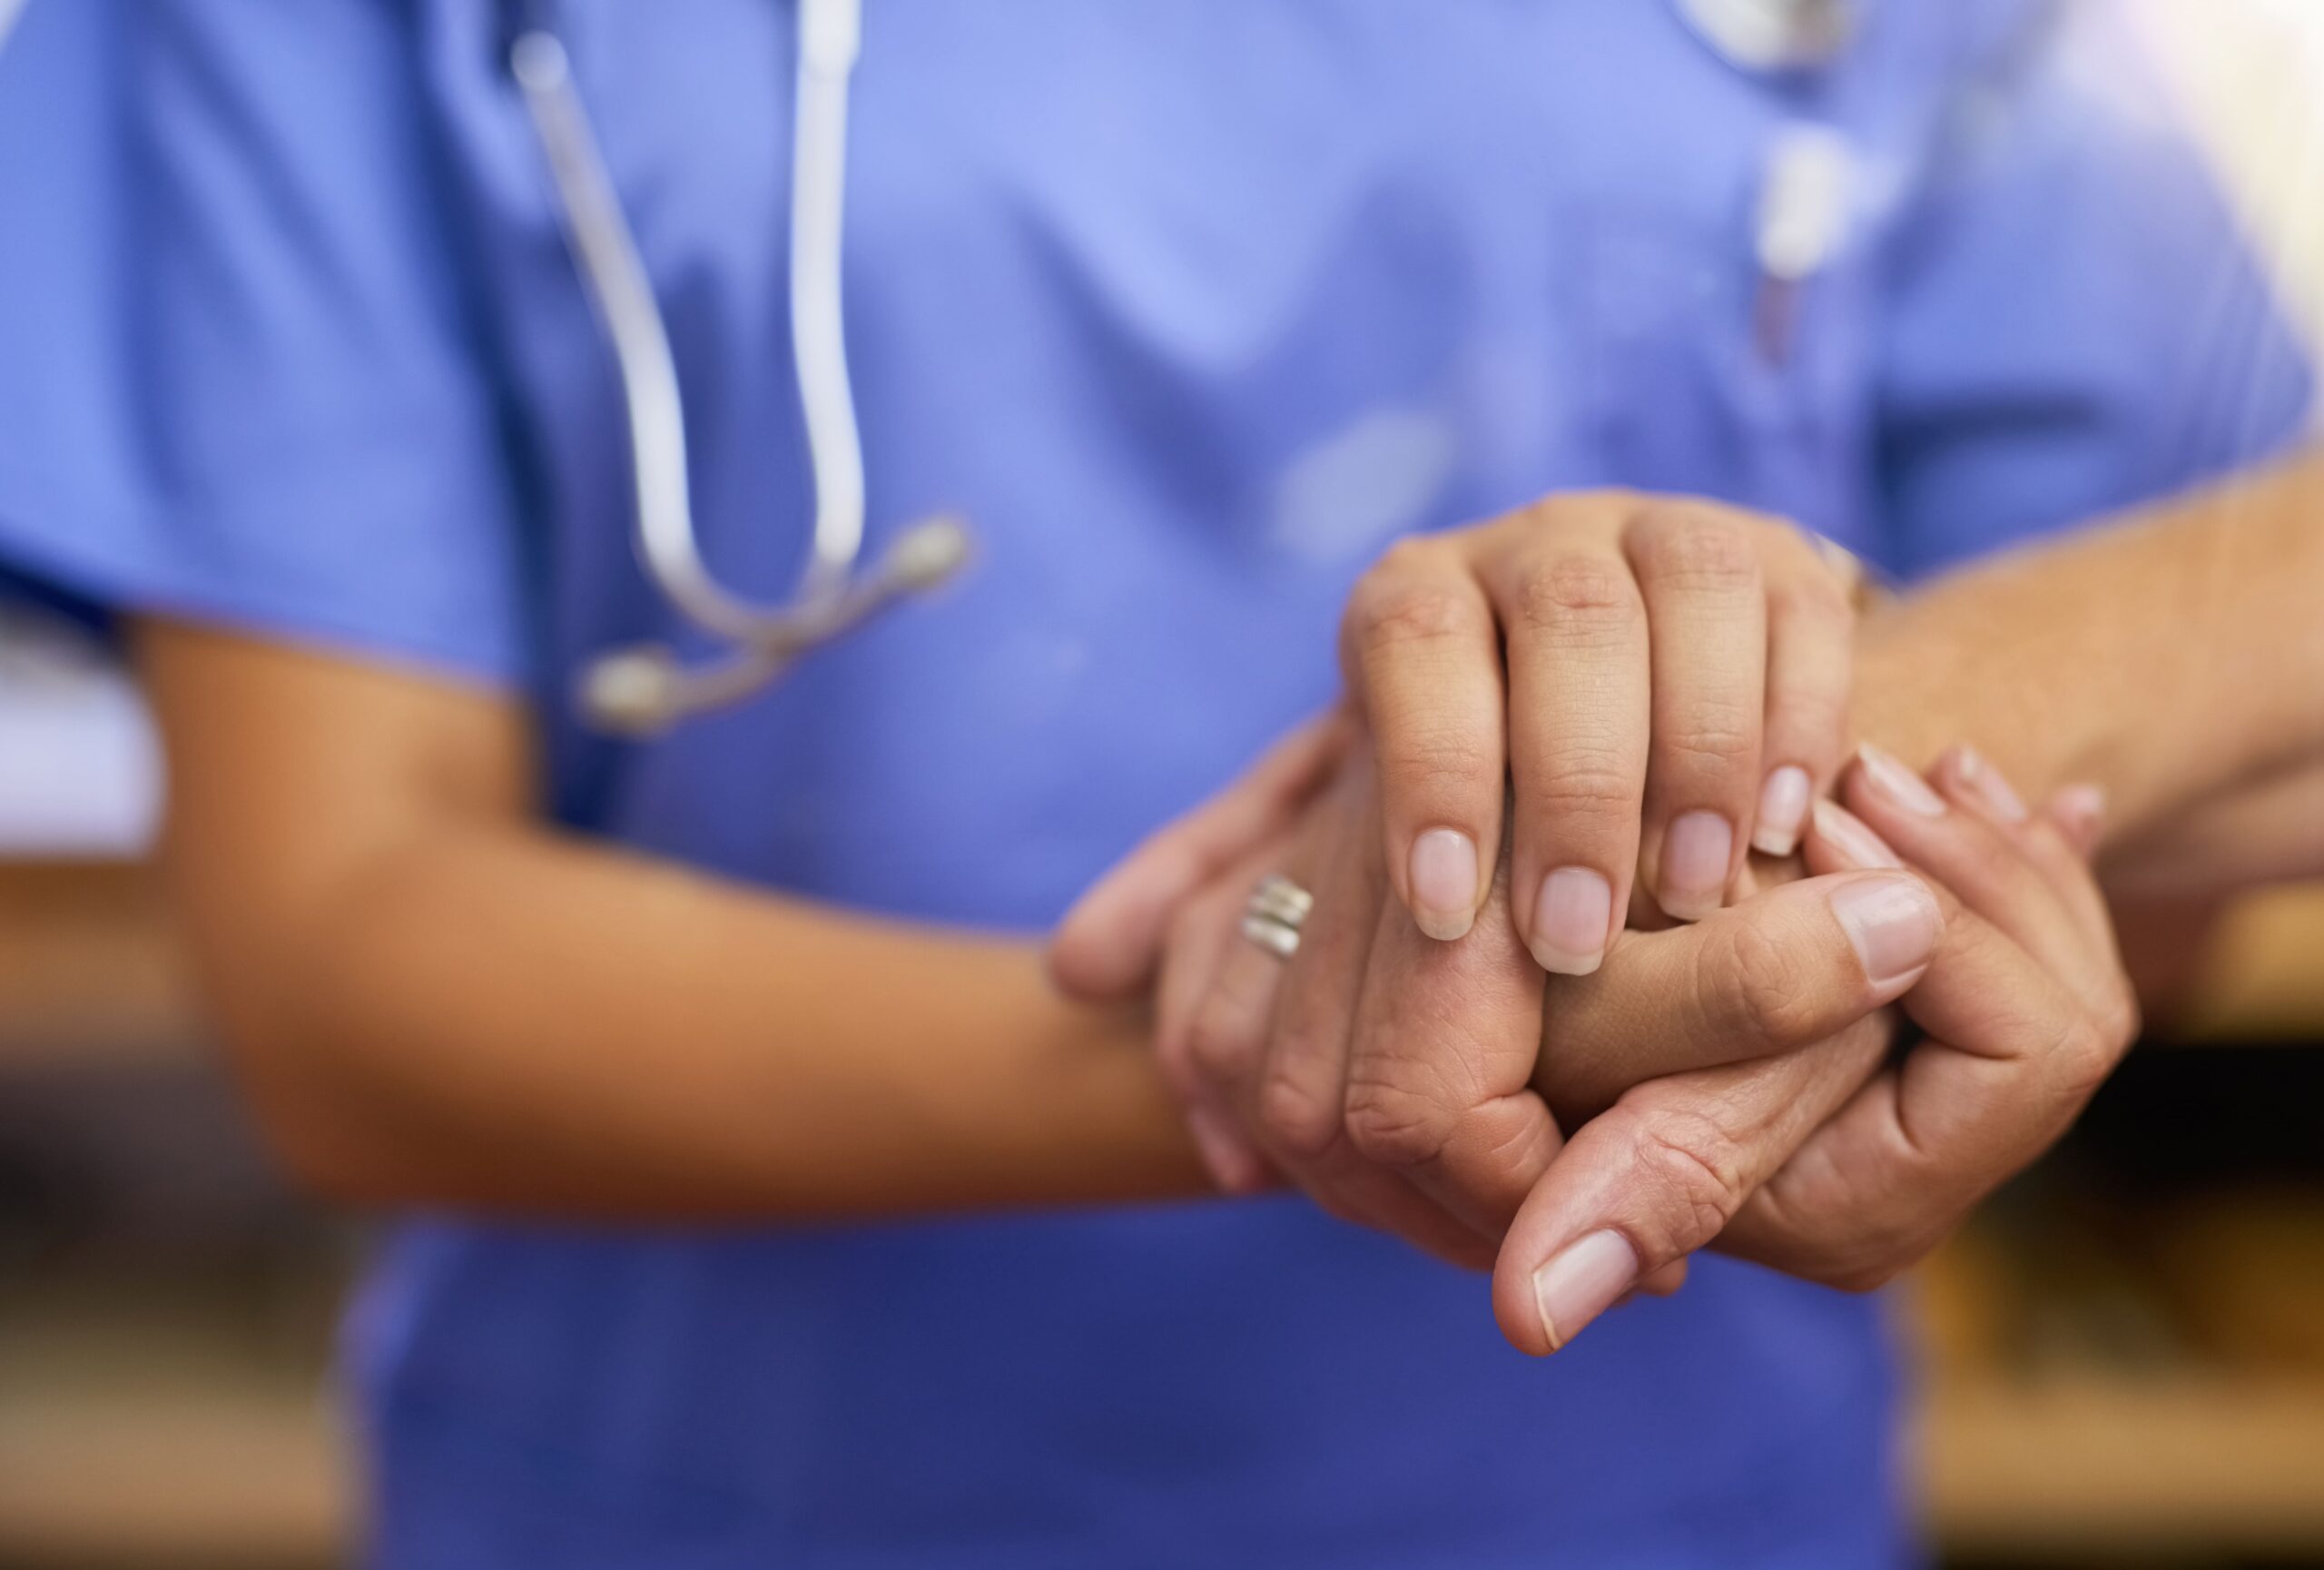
1783, 810
1900, 784
1581, 1281
1985, 780
1573, 916
1853, 838
1444, 883
1696, 852
1892, 922
2080, 809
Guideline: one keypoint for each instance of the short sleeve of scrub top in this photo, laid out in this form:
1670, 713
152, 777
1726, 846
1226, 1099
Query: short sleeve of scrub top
244, 386
2075, 323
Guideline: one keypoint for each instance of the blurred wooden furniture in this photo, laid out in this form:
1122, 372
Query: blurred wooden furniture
2263, 977
157, 1413
2096, 1466
168, 1420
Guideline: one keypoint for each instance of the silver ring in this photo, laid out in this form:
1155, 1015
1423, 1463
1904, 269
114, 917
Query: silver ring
1277, 910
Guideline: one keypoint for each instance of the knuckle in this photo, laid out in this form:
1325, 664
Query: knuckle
1870, 1253
1757, 985
1577, 600
1880, 1253
1690, 1175
1587, 787
1300, 1123
1437, 761
1713, 741
1219, 1048
1866, 1271
1394, 611
1395, 1124
2116, 1019
1687, 549
2082, 1061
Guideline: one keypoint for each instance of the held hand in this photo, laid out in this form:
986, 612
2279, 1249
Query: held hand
1262, 1047
1825, 1162
1407, 1083
1653, 683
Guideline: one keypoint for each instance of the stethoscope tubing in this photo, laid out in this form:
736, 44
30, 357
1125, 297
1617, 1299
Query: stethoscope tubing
644, 689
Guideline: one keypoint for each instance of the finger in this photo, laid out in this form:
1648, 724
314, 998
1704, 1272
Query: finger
1968, 780
2080, 812
1302, 1087
1784, 969
1226, 1044
1229, 1048
1253, 994
1981, 860
2010, 1057
1579, 718
1707, 620
1658, 1176
1423, 658
1445, 1040
1109, 945
1205, 937
1811, 658
1298, 1106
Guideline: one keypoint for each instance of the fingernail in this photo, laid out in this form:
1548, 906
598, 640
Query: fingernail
1892, 922
1695, 856
1444, 883
2080, 809
1572, 915
1783, 809
1853, 838
1900, 784
1582, 1282
1985, 780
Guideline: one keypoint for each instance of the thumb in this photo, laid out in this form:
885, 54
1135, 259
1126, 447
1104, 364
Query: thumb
1109, 945
1782, 970
1658, 1176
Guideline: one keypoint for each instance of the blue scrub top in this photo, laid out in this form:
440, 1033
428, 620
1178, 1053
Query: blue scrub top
1190, 307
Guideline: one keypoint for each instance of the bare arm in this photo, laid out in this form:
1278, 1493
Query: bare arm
435, 998
2173, 658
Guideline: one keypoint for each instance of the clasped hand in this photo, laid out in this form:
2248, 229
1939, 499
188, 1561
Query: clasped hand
1470, 1048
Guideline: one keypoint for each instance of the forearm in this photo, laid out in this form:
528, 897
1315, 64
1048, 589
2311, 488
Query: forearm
509, 1020
435, 998
2170, 658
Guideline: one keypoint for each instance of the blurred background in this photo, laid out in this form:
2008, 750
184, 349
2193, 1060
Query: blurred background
2122, 1363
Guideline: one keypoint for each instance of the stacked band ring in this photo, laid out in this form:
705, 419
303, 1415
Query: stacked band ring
1277, 909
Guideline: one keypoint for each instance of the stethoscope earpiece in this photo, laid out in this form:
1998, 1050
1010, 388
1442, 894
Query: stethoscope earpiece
631, 692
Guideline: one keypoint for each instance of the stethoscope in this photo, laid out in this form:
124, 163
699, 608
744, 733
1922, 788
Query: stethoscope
644, 689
